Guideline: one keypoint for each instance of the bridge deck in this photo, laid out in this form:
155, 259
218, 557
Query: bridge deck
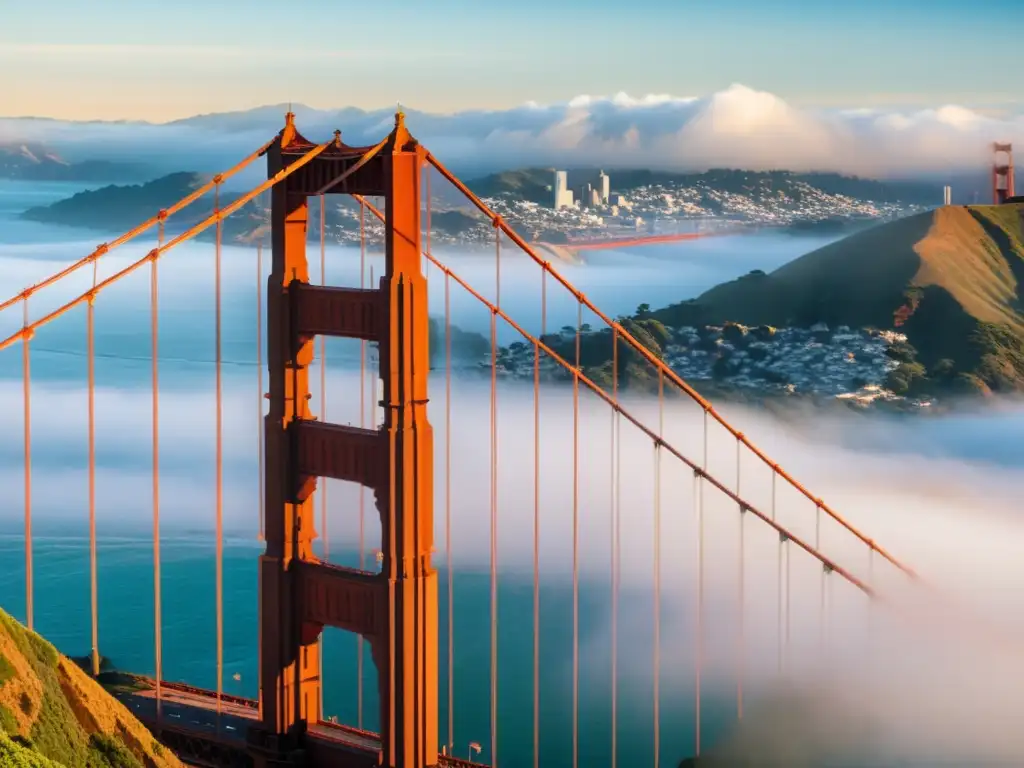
190, 713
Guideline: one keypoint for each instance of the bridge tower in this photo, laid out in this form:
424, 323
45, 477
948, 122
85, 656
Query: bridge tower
1002, 174
395, 610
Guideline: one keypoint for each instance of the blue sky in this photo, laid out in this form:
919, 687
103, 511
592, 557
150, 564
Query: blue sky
144, 59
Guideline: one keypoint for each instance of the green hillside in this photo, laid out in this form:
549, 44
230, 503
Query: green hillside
949, 279
53, 715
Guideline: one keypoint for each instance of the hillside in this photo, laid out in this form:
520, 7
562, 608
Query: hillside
118, 208
53, 715
949, 279
532, 184
34, 162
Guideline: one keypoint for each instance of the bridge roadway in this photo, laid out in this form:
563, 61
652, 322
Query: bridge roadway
189, 714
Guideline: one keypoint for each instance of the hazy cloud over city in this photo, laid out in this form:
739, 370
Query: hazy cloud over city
737, 127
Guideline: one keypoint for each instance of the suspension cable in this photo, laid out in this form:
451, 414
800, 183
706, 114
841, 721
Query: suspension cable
494, 530
220, 465
27, 393
448, 506
576, 545
362, 488
782, 541
700, 587
789, 605
646, 354
90, 333
157, 624
601, 393
428, 169
741, 639
657, 570
323, 403
536, 522
639, 424
259, 385
817, 545
141, 228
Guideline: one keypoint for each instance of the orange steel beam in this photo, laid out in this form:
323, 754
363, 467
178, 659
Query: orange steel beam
156, 253
408, 664
133, 233
661, 366
618, 407
395, 610
288, 641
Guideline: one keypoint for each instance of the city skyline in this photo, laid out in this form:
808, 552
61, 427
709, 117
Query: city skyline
158, 63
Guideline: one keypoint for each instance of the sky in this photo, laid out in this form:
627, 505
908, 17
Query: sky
158, 61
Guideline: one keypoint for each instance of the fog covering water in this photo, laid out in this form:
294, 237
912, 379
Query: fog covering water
925, 679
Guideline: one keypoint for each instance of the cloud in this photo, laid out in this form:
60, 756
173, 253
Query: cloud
736, 127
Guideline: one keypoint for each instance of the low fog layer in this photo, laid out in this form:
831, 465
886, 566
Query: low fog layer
736, 128
932, 673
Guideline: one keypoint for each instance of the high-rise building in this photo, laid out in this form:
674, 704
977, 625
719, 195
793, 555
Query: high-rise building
947, 195
586, 196
563, 197
604, 186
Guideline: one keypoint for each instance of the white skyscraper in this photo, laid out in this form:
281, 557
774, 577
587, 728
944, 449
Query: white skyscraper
604, 186
947, 195
563, 195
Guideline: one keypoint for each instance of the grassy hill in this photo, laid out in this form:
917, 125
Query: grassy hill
53, 715
950, 279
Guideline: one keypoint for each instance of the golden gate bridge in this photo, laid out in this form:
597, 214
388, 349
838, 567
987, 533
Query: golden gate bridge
395, 610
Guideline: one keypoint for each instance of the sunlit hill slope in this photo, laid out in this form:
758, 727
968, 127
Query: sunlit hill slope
950, 279
53, 715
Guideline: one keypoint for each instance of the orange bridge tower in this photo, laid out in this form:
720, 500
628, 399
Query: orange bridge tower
395, 610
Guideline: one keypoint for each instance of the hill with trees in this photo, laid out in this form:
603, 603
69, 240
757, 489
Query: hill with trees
53, 715
949, 279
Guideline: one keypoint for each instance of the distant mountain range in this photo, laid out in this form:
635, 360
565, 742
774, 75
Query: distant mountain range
35, 162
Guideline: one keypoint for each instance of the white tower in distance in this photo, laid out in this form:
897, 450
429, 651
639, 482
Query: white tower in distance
563, 195
947, 195
604, 187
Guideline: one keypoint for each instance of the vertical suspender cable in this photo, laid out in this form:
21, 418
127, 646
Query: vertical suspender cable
657, 569
260, 435
27, 389
494, 507
362, 488
741, 639
700, 586
323, 398
157, 624
576, 544
448, 506
782, 541
90, 332
428, 170
259, 380
817, 546
789, 604
614, 472
220, 465
323, 420
536, 520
